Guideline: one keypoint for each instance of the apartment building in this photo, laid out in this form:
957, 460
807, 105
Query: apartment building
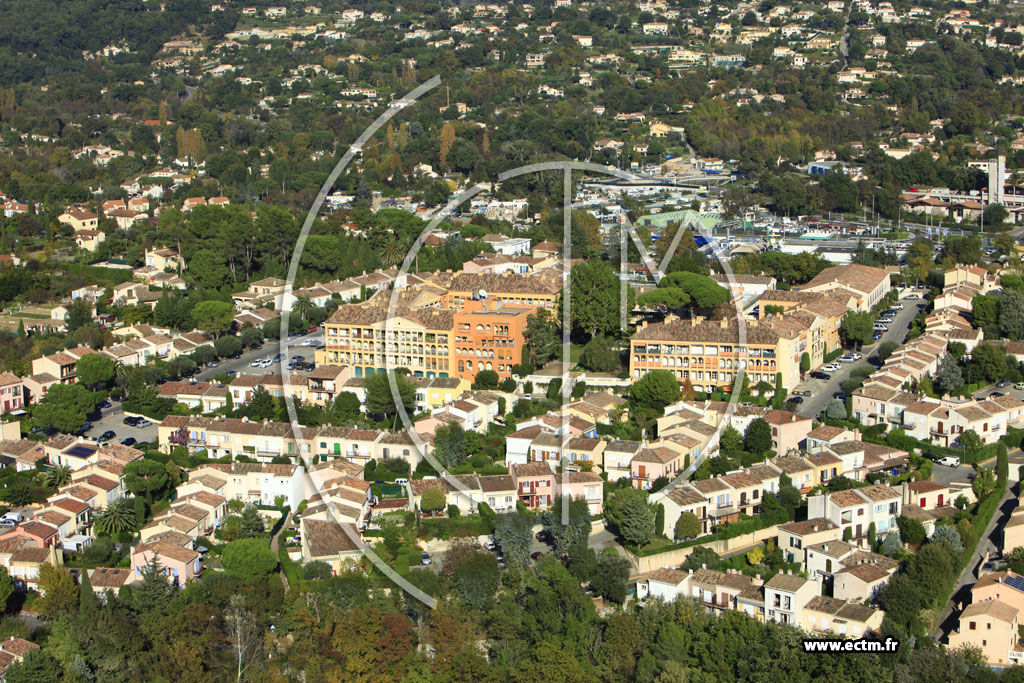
867, 284
488, 337
360, 335
710, 355
534, 290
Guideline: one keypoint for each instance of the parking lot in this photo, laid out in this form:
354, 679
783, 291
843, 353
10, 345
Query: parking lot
112, 419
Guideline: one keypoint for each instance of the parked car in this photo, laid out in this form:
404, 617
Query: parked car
256, 363
1019, 386
795, 399
881, 327
831, 367
821, 375
876, 336
802, 392
1003, 383
897, 307
847, 359
425, 557
104, 404
107, 436
230, 373
212, 364
912, 297
130, 441
131, 421
143, 423
950, 461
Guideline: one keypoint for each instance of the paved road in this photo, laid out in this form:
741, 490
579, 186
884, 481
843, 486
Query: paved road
989, 543
823, 390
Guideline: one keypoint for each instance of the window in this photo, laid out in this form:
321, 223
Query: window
971, 625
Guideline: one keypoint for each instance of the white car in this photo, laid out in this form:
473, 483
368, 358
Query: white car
912, 297
897, 307
879, 327
950, 461
831, 367
256, 363
846, 359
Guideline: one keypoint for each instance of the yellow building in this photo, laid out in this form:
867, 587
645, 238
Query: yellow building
362, 336
711, 354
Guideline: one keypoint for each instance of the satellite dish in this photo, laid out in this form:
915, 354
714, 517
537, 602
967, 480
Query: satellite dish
483, 294
245, 419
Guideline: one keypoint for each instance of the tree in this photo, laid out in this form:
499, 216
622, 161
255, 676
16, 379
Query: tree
244, 634
541, 337
214, 317
891, 544
931, 570
447, 140
611, 573
985, 310
836, 410
731, 441
79, 315
249, 558
599, 355
576, 530
595, 307
758, 436
911, 530
118, 516
655, 390
60, 593
805, 362
990, 360
93, 369
228, 345
475, 576
886, 349
433, 499
6, 589
261, 405
949, 537
65, 407
755, 556
379, 400
38, 666
984, 482
635, 520
857, 329
1011, 314
948, 378
687, 526
252, 524
901, 599
145, 478
346, 407
513, 535
450, 444
57, 476
486, 379
303, 306
970, 441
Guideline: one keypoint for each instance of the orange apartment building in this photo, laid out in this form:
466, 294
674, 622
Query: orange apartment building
488, 339
509, 289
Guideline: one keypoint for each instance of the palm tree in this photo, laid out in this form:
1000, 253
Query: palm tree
117, 517
391, 254
303, 306
57, 476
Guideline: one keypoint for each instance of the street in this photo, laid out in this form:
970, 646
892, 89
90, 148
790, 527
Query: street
822, 391
988, 545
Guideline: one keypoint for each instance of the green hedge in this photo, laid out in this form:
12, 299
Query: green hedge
113, 276
288, 566
832, 355
745, 525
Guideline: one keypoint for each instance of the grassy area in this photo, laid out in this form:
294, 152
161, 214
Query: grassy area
289, 567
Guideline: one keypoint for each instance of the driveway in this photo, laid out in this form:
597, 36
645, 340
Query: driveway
822, 391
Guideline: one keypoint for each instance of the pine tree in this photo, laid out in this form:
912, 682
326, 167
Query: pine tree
87, 600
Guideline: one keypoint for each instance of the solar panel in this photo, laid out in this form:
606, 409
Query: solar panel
80, 451
1015, 582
